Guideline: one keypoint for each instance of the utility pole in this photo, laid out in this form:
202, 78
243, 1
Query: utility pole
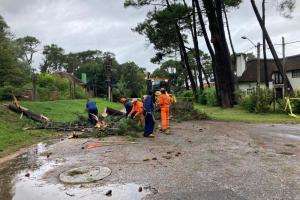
283, 61
283, 55
74, 89
264, 45
33, 86
258, 65
288, 87
108, 75
71, 89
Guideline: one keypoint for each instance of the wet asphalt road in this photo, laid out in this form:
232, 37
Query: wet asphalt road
199, 160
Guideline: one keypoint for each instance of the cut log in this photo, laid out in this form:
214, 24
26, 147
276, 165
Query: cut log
113, 112
34, 116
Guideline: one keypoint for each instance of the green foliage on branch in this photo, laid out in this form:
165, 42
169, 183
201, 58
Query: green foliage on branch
12, 71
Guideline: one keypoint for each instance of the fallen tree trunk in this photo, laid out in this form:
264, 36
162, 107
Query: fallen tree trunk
34, 116
111, 111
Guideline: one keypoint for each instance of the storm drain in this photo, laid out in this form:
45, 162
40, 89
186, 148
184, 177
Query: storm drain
84, 174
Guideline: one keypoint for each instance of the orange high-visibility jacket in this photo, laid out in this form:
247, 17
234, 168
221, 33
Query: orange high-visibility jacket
164, 101
137, 107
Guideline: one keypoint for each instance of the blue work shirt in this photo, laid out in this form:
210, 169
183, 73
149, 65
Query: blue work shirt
128, 106
91, 106
148, 104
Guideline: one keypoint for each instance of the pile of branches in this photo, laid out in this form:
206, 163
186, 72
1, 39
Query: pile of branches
119, 125
116, 123
185, 111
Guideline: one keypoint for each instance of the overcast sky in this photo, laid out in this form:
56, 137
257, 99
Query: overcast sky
78, 25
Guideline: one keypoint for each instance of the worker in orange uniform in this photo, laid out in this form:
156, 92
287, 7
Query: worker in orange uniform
164, 103
137, 111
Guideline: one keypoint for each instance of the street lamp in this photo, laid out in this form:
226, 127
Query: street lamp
246, 38
258, 58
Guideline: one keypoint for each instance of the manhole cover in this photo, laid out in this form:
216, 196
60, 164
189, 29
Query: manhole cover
85, 174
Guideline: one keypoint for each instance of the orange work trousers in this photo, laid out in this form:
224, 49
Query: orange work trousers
164, 113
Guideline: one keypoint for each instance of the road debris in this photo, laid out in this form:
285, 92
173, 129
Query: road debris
152, 189
167, 157
108, 193
140, 189
286, 153
290, 145
178, 154
71, 195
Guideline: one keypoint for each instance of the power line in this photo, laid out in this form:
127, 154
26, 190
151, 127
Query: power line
287, 43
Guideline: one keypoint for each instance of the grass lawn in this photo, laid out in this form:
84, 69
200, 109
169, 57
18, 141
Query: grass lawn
12, 133
239, 115
66, 110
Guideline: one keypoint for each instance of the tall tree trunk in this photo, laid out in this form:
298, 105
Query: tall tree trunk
287, 85
196, 49
185, 56
264, 45
223, 67
206, 77
196, 76
229, 34
209, 47
187, 87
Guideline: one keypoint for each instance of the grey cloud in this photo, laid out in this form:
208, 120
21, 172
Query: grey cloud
78, 25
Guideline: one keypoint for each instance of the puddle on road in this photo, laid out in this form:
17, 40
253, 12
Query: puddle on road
48, 192
289, 136
291, 132
15, 185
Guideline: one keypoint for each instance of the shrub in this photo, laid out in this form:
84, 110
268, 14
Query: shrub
187, 95
264, 99
202, 98
51, 87
296, 103
258, 102
6, 92
117, 94
208, 97
239, 95
280, 105
211, 97
248, 103
80, 93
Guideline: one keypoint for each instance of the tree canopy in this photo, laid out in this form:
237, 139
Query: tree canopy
12, 71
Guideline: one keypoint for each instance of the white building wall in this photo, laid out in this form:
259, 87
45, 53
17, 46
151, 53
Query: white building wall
252, 86
240, 64
295, 82
245, 87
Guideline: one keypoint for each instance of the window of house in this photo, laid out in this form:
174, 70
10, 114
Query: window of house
278, 78
250, 90
296, 74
